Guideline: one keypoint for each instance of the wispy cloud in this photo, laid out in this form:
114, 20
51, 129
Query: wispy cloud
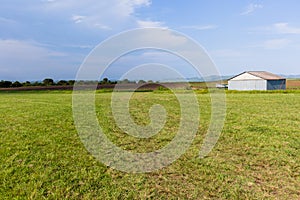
78, 18
227, 53
201, 28
102, 26
273, 44
29, 59
6, 20
150, 24
284, 28
105, 15
277, 28
276, 43
251, 8
79, 46
27, 50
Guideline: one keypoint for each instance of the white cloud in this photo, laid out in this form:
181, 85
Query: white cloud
25, 50
251, 8
201, 28
226, 53
98, 14
102, 26
150, 24
78, 18
150, 56
152, 62
164, 38
284, 28
21, 60
79, 46
277, 28
276, 43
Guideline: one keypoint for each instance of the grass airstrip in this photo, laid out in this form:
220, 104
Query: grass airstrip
256, 157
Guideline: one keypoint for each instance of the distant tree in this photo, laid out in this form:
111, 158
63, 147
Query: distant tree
150, 81
141, 81
17, 84
5, 84
62, 82
104, 81
48, 81
27, 83
36, 83
71, 82
124, 81
107, 81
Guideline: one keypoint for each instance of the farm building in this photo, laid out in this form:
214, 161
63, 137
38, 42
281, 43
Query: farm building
257, 80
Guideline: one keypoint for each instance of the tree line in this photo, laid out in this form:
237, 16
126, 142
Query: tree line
45, 82
51, 82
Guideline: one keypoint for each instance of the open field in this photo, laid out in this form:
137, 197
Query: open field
256, 157
293, 84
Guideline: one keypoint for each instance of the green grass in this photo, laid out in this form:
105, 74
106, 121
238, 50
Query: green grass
256, 157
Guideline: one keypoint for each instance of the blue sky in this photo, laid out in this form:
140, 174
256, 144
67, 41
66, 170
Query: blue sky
51, 38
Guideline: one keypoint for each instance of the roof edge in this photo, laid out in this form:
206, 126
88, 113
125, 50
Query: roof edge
253, 73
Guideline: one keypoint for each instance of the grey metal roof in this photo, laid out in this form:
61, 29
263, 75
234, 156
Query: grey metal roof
262, 74
265, 75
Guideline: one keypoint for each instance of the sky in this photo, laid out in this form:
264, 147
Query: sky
51, 38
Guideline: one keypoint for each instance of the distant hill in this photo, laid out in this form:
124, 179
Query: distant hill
290, 76
198, 79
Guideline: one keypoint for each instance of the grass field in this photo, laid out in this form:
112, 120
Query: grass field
256, 157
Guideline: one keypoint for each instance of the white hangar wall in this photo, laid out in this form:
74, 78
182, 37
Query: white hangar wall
258, 84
